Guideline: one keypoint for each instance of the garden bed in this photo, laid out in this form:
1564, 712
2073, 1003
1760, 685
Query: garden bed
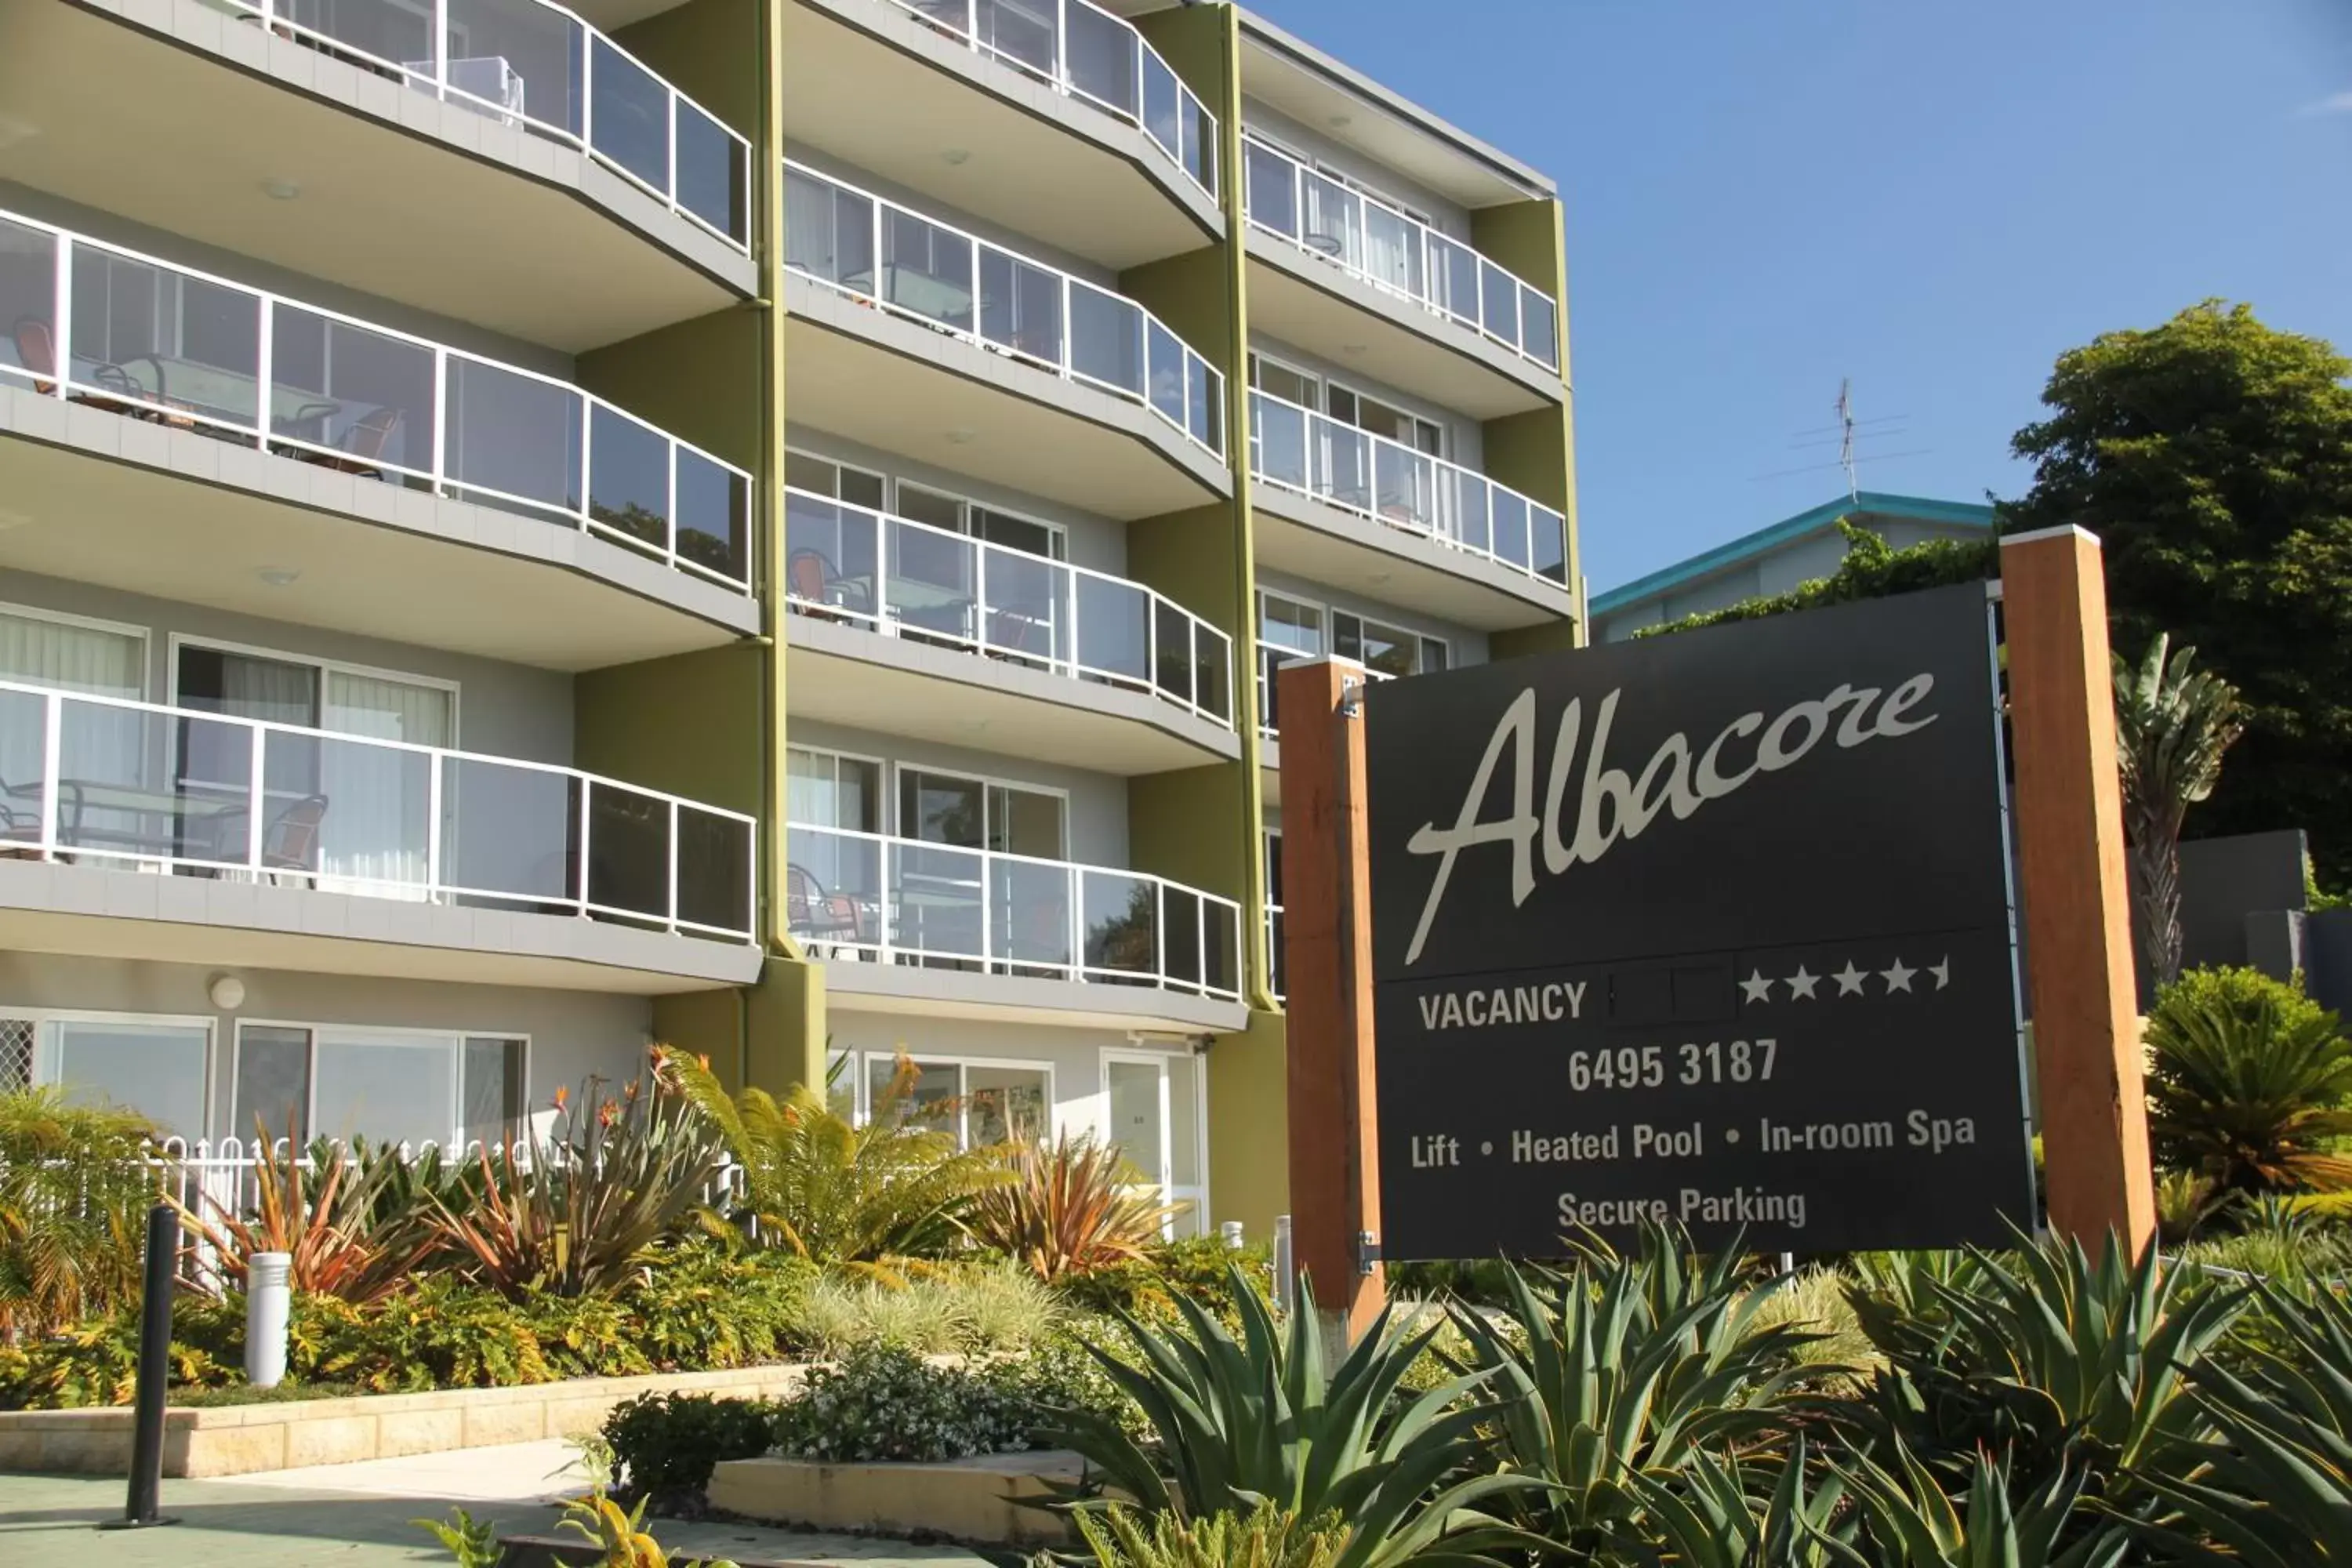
237, 1439
990, 1500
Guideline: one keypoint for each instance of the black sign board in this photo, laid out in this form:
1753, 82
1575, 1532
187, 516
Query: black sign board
1712, 927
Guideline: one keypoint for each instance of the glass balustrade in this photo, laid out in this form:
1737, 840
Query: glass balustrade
911, 580
878, 251
1270, 660
131, 335
537, 67
1087, 52
866, 896
1396, 254
1372, 475
101, 781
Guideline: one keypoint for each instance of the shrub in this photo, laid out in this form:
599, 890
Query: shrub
585, 1336
701, 1305
1265, 1537
1196, 1269
444, 1333
313, 1206
2250, 1082
973, 1310
1072, 1206
96, 1363
831, 1190
884, 1401
73, 1196
1815, 1303
664, 1446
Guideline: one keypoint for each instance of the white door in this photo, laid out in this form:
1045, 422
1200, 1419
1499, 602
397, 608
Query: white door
1153, 1112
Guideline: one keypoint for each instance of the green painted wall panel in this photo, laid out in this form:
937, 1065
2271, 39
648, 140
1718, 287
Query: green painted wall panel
1249, 1126
786, 1029
705, 49
698, 380
689, 725
1521, 641
709, 1023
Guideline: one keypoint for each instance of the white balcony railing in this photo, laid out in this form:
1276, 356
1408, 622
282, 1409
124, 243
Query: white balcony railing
181, 792
136, 336
1276, 982
1391, 483
1086, 52
909, 579
893, 256
864, 895
1396, 254
534, 65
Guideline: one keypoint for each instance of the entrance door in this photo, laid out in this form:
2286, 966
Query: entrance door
1154, 1116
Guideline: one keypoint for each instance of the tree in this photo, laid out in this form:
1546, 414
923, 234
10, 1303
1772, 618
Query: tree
2173, 721
2212, 456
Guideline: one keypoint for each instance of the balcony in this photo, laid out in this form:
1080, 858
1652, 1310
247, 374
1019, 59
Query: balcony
1053, 117
183, 435
918, 337
915, 926
131, 830
958, 640
494, 161
1352, 278
1357, 511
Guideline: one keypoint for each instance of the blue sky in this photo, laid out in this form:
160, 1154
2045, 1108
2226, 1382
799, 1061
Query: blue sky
1764, 197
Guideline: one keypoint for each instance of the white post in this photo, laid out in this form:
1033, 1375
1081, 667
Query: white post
1285, 1266
267, 1296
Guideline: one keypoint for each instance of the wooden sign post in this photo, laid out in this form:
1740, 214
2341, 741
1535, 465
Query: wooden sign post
2076, 897
1335, 1163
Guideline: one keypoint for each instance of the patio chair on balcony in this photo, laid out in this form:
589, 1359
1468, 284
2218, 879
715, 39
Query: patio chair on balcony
1022, 631
36, 351
823, 591
816, 915
361, 449
289, 845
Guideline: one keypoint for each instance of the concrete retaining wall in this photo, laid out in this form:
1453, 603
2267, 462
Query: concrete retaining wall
234, 1439
968, 1499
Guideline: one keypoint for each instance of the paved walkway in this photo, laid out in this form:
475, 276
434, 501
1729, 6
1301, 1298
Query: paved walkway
359, 1516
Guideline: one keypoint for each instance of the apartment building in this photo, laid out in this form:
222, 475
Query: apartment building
758, 523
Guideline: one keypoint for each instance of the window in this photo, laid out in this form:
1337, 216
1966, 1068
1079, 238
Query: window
978, 1101
161, 1067
385, 1085
920, 503
1287, 629
72, 654
1349, 407
823, 477
357, 816
826, 789
1291, 384
68, 654
977, 814
1388, 651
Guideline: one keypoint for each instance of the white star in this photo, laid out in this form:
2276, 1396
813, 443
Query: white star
1898, 978
1849, 980
1942, 972
1758, 989
1801, 984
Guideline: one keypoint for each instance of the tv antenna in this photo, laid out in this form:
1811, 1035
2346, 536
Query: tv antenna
1849, 436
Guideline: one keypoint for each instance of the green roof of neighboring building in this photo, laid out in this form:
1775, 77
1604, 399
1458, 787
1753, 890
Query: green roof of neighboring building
1787, 530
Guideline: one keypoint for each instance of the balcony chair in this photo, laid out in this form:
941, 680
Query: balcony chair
360, 451
817, 915
36, 351
811, 579
1022, 631
289, 845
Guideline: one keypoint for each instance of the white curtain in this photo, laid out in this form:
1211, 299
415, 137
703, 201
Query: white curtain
374, 834
98, 742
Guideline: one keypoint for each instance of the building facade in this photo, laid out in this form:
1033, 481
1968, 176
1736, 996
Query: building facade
1794, 550
762, 524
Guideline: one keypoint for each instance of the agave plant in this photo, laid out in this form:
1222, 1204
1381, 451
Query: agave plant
2251, 1085
2271, 1488
1262, 1419
575, 1215
1907, 1520
308, 1206
1706, 1514
1624, 1366
1266, 1537
73, 1189
1072, 1206
831, 1190
2053, 1361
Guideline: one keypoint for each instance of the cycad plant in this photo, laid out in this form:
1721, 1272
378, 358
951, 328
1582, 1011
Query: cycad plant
1625, 1366
2249, 1085
1072, 1206
1261, 1417
74, 1189
818, 1183
2173, 722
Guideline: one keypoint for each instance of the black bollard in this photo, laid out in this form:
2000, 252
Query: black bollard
139, 1509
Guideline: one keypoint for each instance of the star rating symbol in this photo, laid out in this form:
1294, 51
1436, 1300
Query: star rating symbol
1801, 984
1758, 988
1849, 980
1942, 972
1897, 977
